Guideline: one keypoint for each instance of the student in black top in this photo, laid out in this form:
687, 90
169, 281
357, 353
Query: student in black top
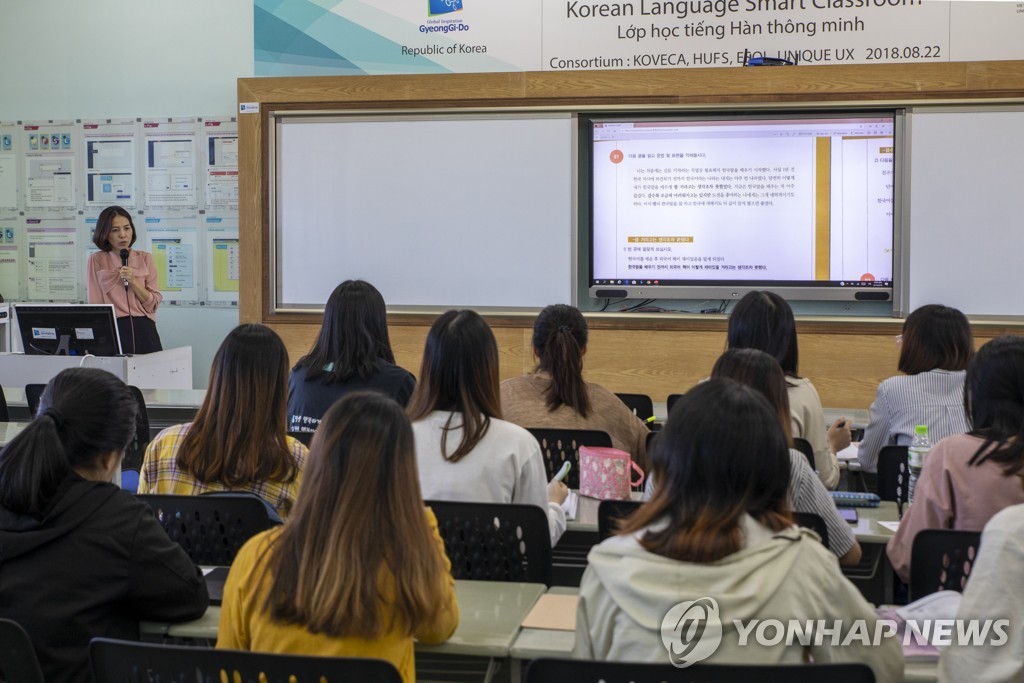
79, 557
353, 352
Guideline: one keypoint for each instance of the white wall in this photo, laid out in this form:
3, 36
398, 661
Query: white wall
73, 59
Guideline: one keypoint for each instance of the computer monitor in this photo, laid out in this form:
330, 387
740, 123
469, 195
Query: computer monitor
68, 329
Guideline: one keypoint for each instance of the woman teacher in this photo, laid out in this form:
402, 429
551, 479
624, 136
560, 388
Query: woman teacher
126, 278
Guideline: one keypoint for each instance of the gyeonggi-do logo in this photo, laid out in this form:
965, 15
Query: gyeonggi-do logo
435, 7
691, 631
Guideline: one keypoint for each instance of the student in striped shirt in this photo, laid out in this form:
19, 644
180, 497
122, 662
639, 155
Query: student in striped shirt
935, 349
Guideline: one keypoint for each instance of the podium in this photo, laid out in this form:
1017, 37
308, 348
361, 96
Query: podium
170, 369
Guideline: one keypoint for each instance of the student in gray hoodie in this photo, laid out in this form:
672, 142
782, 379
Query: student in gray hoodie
718, 534
79, 557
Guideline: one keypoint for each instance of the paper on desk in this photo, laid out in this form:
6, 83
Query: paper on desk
553, 612
891, 526
938, 605
849, 453
571, 505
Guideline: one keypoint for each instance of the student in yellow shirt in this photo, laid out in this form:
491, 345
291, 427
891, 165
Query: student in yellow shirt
359, 570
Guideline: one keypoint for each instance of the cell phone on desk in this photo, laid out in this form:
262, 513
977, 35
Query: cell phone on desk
848, 514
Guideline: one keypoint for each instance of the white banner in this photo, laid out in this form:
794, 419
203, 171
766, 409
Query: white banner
466, 36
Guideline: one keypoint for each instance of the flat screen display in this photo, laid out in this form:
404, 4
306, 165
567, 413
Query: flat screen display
68, 329
802, 204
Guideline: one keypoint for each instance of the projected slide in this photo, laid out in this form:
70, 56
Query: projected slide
771, 200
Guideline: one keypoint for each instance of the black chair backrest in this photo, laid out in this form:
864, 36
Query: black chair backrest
131, 662
211, 529
671, 401
814, 522
641, 404
136, 451
805, 447
609, 512
33, 392
305, 438
589, 671
942, 559
18, 663
495, 541
893, 475
559, 445
5, 416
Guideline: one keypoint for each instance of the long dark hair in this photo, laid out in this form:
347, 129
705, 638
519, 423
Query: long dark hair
759, 371
83, 413
354, 334
101, 233
238, 435
994, 401
559, 340
722, 454
459, 374
764, 321
359, 511
935, 337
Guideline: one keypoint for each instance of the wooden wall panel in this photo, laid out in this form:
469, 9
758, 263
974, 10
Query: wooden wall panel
651, 354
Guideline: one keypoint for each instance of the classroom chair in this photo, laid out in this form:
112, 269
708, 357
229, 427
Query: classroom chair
136, 450
671, 401
18, 663
893, 475
132, 662
589, 671
5, 416
559, 445
814, 522
495, 541
609, 512
33, 392
211, 528
942, 559
641, 404
805, 447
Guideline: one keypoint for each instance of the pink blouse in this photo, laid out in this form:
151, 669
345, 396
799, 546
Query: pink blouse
106, 286
951, 494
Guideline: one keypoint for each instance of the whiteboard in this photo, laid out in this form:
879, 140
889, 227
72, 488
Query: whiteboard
443, 211
966, 245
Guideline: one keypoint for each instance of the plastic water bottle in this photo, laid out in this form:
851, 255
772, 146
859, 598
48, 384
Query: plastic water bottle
916, 454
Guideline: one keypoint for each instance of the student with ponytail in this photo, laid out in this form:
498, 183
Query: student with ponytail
556, 395
968, 478
718, 537
82, 558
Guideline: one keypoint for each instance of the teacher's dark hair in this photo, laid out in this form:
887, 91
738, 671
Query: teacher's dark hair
101, 234
354, 334
459, 374
994, 400
559, 340
764, 321
84, 413
935, 337
721, 455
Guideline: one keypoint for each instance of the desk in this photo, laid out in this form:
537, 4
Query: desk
165, 407
489, 616
9, 430
532, 643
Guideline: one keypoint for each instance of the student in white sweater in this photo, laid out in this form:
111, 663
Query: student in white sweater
464, 450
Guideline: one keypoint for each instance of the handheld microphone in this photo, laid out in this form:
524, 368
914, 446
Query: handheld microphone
124, 263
